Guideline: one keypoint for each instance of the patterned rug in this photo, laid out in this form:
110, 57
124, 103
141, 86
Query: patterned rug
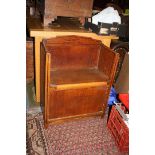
88, 136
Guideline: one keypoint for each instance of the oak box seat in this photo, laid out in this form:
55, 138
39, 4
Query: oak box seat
76, 76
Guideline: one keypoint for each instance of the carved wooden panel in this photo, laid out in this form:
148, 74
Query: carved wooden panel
50, 9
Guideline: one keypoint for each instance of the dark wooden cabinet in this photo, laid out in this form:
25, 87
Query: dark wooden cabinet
76, 77
50, 9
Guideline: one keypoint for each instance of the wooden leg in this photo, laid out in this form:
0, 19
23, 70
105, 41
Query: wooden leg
47, 20
37, 67
45, 125
103, 109
82, 20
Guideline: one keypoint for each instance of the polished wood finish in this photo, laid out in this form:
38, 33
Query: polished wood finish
75, 117
50, 9
63, 77
76, 77
39, 32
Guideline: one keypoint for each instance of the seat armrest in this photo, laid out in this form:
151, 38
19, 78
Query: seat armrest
108, 60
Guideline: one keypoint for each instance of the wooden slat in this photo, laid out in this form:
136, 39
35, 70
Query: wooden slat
47, 80
78, 86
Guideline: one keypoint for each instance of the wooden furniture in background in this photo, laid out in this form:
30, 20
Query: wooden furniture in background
76, 77
122, 48
122, 83
39, 32
29, 60
50, 9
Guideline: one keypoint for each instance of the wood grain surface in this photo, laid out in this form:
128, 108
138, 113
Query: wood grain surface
81, 88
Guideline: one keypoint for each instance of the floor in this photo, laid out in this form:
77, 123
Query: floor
31, 105
33, 108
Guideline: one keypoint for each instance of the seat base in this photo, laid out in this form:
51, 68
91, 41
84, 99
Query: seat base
70, 118
77, 78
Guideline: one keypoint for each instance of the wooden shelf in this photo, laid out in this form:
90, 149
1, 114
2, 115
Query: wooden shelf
80, 78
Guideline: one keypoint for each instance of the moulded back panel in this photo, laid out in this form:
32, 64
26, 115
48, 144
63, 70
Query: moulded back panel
69, 56
73, 52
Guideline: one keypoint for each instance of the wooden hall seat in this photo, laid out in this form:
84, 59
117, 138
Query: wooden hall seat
76, 77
